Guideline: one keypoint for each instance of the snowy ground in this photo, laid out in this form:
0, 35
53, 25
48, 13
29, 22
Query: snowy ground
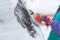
10, 29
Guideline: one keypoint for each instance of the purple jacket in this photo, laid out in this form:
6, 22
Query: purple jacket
56, 26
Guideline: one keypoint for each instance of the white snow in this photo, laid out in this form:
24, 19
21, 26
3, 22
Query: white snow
10, 29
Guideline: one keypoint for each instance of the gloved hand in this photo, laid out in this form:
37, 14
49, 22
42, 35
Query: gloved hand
47, 20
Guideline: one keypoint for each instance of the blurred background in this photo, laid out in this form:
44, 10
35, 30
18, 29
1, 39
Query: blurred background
10, 29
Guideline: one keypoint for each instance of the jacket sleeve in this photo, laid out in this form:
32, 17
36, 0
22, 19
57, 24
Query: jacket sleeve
56, 26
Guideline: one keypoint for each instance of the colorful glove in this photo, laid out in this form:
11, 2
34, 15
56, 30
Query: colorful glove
47, 20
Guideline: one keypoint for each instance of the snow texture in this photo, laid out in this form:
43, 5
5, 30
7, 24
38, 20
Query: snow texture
10, 29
